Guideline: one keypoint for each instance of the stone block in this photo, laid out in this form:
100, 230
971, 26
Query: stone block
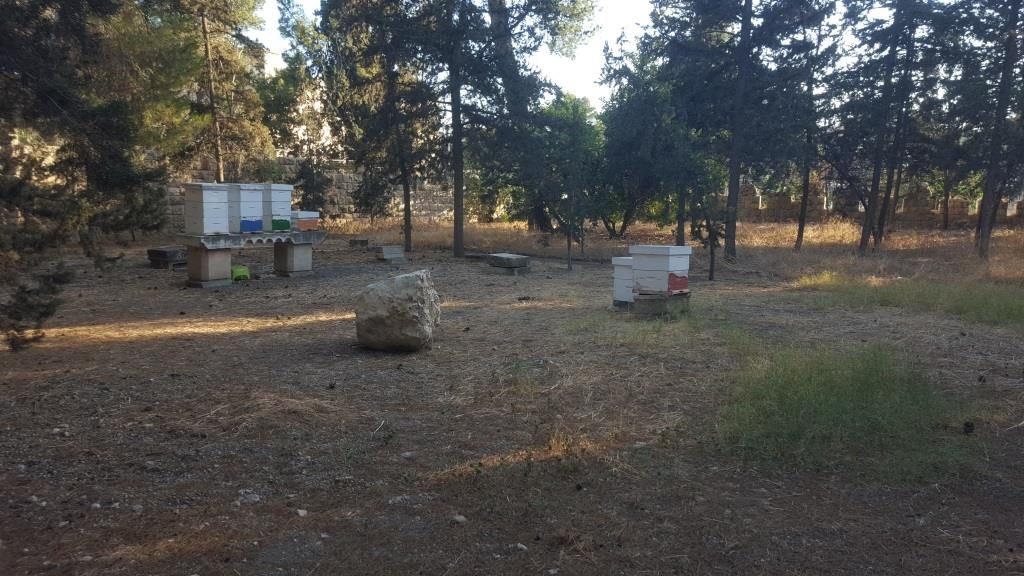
209, 268
506, 260
293, 259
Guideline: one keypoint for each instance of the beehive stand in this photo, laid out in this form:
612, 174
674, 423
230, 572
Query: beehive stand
209, 257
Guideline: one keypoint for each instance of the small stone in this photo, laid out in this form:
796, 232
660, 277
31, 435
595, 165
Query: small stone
302, 513
408, 455
96, 506
86, 559
459, 519
137, 508
521, 546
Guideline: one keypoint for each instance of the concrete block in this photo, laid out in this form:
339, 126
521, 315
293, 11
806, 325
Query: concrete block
209, 268
506, 260
293, 259
359, 242
510, 271
389, 252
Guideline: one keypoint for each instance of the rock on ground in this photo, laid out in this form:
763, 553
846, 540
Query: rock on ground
398, 314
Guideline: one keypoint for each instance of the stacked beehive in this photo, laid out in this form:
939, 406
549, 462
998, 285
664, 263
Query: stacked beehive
661, 270
245, 208
277, 207
206, 208
622, 289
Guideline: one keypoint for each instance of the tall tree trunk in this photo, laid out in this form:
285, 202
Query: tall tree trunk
681, 215
406, 206
458, 160
569, 224
218, 152
896, 154
712, 242
947, 191
736, 144
805, 188
992, 194
897, 193
402, 150
882, 137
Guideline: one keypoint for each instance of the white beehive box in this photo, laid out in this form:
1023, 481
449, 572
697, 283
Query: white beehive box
206, 209
206, 193
251, 193
277, 207
245, 208
622, 288
660, 269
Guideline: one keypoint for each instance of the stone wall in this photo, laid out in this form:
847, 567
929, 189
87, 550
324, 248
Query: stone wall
429, 200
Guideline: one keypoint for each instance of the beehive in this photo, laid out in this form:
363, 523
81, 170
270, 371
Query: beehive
622, 281
277, 207
206, 208
303, 220
660, 269
245, 208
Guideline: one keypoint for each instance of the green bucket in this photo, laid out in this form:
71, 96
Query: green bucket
239, 272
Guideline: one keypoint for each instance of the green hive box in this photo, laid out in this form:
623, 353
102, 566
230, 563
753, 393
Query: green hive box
281, 224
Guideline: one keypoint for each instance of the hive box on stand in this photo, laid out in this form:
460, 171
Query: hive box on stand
277, 207
663, 270
206, 208
622, 290
303, 220
245, 208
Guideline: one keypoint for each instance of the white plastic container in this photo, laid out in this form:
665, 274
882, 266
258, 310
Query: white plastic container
622, 288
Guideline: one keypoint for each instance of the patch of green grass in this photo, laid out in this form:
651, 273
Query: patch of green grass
984, 302
862, 411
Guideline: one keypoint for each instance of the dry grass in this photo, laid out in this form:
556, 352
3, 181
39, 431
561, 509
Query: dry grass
764, 248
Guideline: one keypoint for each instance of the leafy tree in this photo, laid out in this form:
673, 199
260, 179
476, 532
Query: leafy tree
390, 117
572, 146
47, 195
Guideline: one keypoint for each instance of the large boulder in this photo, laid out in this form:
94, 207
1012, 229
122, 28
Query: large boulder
398, 314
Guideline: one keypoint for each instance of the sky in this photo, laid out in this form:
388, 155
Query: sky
579, 75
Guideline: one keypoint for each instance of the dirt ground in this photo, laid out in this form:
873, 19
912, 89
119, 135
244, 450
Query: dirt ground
167, 431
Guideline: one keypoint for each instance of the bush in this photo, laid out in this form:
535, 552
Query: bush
859, 410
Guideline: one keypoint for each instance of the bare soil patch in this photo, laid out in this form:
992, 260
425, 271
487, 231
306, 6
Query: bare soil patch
158, 430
